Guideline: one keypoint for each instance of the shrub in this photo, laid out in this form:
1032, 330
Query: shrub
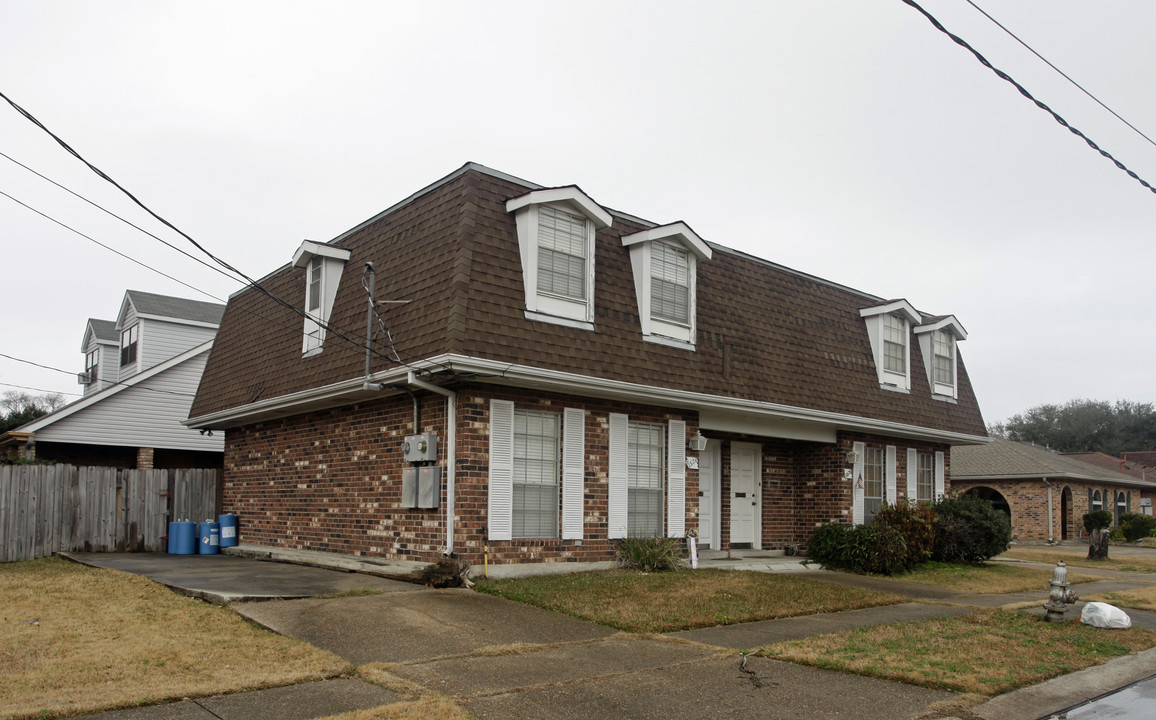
1097, 520
877, 549
969, 529
1136, 526
650, 554
917, 525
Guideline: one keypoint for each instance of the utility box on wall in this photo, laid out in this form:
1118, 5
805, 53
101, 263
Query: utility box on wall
420, 448
429, 486
409, 487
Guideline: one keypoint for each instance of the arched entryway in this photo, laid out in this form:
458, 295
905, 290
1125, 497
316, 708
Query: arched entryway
997, 500
1066, 530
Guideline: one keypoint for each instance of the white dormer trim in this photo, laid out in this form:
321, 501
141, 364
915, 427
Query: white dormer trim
950, 332
875, 317
554, 307
641, 246
330, 263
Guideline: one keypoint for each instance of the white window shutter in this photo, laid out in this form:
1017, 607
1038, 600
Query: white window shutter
573, 472
939, 479
912, 474
618, 476
676, 479
857, 483
890, 477
500, 511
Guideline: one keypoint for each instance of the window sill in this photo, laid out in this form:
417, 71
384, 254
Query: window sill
669, 342
894, 388
944, 398
555, 320
312, 352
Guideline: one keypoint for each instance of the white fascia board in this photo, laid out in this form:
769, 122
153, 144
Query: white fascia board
75, 407
179, 321
948, 323
572, 196
900, 306
348, 391
679, 232
309, 248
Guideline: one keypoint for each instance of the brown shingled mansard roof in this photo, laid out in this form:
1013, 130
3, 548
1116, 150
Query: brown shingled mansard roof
767, 336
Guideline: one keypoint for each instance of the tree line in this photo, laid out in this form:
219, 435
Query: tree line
19, 408
1084, 426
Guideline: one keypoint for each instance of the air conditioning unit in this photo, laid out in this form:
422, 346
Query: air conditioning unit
84, 378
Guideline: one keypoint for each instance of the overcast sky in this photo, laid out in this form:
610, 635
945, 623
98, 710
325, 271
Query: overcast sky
848, 139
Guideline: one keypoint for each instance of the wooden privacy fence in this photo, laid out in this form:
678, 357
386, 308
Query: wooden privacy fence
53, 508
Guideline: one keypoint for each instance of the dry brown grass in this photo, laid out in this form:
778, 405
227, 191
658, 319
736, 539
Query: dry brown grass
1140, 598
431, 707
966, 654
1078, 556
105, 639
990, 578
663, 602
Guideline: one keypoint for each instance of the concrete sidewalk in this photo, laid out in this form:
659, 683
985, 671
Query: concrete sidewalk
505, 660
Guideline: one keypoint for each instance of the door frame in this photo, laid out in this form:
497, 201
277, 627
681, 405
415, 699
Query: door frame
712, 463
757, 534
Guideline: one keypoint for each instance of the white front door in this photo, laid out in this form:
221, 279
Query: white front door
709, 472
746, 474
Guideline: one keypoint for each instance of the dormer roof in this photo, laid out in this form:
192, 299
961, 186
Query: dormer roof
103, 331
570, 196
900, 306
167, 307
678, 232
947, 323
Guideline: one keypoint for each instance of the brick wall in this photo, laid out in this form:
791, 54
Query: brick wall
1028, 502
331, 480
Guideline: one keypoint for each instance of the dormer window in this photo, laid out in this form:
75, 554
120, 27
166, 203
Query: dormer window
888, 328
92, 366
665, 263
938, 338
556, 231
323, 267
129, 338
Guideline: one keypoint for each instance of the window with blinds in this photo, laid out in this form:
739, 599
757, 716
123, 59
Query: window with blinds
925, 482
536, 472
872, 483
895, 344
943, 358
561, 253
644, 480
669, 283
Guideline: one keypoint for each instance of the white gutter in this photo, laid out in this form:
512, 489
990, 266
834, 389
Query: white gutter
572, 383
451, 449
1051, 533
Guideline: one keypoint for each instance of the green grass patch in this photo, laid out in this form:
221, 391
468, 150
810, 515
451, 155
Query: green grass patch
987, 653
664, 602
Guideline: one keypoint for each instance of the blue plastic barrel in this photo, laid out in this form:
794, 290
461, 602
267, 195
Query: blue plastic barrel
228, 530
210, 534
183, 538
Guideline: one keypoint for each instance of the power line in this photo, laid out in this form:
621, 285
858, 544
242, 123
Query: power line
1023, 91
40, 390
251, 282
1061, 72
106, 247
118, 217
110, 382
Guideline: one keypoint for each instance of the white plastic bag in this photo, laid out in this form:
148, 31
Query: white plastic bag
1098, 614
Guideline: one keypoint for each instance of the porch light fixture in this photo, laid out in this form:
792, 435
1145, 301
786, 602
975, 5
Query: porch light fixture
852, 457
697, 442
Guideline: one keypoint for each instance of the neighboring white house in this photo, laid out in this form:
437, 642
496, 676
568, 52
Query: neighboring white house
140, 378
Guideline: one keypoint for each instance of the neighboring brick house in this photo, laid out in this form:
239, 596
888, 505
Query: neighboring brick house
140, 374
1046, 493
1133, 464
588, 375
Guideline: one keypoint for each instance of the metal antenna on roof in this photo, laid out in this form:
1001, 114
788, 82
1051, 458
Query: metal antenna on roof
369, 315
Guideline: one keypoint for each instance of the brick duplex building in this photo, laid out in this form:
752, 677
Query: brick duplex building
547, 376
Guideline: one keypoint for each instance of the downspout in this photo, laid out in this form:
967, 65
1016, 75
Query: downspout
1051, 533
451, 450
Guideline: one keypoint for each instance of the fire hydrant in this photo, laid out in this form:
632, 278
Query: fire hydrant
1061, 595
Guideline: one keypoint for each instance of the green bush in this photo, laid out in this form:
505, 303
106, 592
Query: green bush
877, 549
1097, 520
1136, 526
917, 525
969, 529
650, 554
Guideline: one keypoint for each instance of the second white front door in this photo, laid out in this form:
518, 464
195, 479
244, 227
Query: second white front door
746, 477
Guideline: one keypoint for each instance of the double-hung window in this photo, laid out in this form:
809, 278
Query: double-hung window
925, 480
669, 283
323, 266
92, 366
562, 253
128, 344
895, 344
644, 480
872, 483
943, 358
536, 472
